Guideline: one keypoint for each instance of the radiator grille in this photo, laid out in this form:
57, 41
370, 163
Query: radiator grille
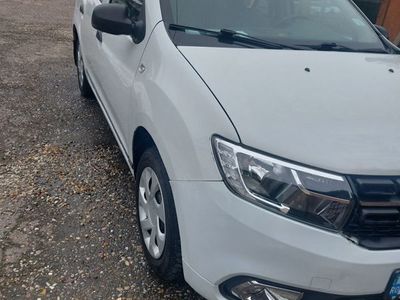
375, 222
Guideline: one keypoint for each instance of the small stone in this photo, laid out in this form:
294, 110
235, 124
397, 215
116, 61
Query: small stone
42, 292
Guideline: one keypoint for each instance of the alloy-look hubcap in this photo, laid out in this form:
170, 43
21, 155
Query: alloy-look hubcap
152, 213
80, 67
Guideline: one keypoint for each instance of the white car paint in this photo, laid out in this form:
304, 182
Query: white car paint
155, 109
341, 116
240, 239
268, 101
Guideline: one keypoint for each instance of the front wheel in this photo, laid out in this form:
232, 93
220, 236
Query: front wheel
157, 219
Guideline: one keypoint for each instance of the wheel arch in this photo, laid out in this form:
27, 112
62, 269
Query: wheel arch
142, 140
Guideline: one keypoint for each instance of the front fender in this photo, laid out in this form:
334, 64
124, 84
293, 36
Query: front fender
179, 111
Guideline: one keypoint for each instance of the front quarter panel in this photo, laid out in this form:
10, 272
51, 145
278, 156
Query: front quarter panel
176, 107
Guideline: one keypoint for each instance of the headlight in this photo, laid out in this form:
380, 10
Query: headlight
308, 195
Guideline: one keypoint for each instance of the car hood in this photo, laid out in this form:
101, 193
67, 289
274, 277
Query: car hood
332, 110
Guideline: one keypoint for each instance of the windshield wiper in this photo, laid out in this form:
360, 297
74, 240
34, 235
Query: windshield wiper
332, 47
338, 47
226, 35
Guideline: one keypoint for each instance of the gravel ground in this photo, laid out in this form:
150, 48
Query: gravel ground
67, 226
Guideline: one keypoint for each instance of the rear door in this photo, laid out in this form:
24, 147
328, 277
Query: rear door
89, 39
121, 57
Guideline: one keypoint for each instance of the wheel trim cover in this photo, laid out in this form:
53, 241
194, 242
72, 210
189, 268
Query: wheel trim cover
152, 213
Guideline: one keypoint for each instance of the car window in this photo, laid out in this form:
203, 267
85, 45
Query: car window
296, 22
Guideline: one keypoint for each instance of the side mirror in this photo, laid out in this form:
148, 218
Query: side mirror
113, 19
383, 31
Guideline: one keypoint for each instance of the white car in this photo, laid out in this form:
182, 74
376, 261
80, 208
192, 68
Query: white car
264, 136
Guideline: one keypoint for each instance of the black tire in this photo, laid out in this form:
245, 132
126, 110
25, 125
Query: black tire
83, 83
169, 266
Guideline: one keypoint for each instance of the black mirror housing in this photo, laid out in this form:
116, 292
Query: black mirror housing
383, 31
139, 31
112, 19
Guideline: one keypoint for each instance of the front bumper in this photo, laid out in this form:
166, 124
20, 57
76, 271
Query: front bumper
224, 237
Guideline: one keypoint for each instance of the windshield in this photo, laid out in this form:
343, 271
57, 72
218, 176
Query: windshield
292, 22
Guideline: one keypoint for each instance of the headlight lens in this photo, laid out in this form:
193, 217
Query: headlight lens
309, 195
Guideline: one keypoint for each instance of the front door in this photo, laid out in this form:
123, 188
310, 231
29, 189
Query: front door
121, 57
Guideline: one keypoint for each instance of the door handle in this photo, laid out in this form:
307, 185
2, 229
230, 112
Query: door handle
81, 9
99, 36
